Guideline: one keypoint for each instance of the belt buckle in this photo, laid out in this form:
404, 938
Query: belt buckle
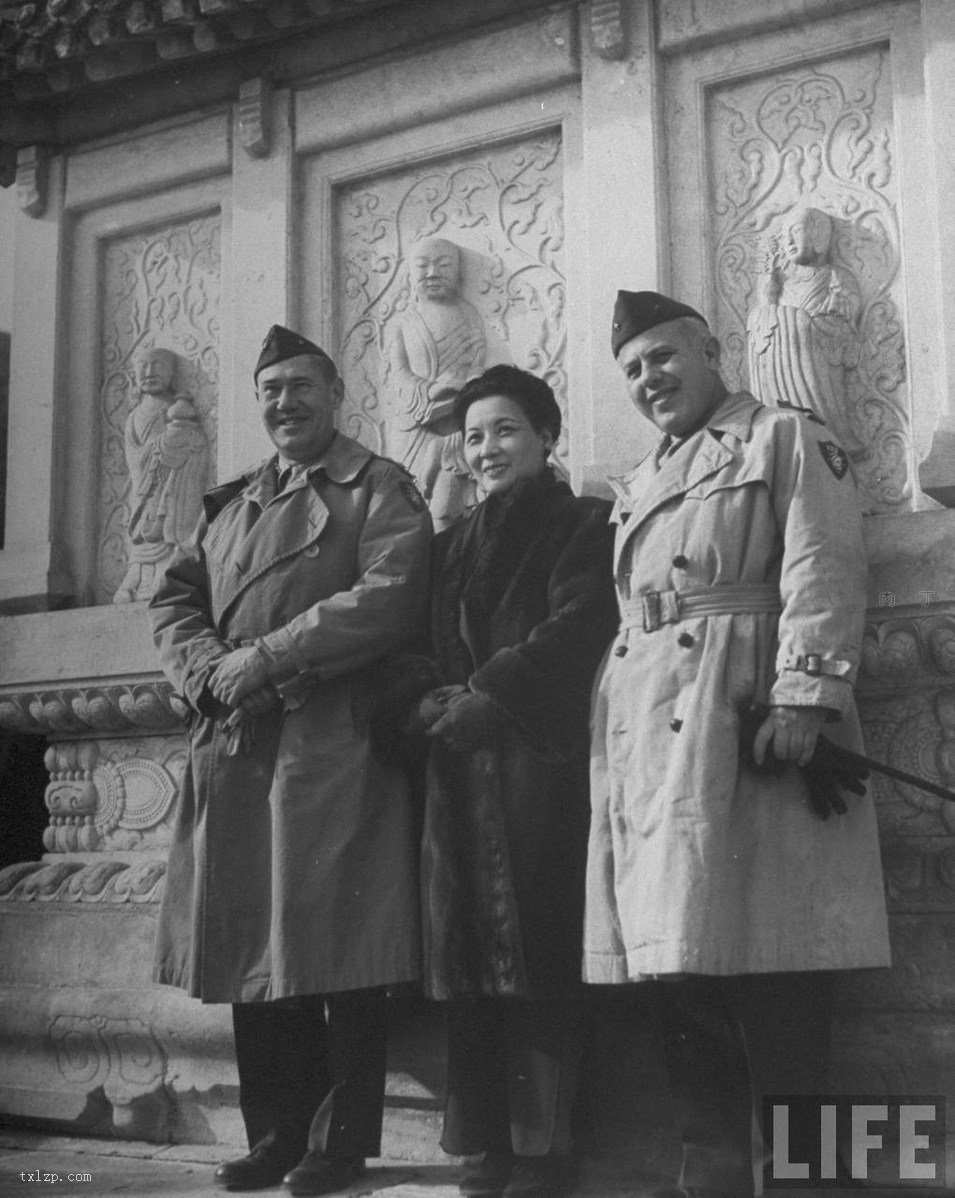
651, 611
659, 608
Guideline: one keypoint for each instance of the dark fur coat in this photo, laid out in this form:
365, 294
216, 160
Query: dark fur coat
522, 610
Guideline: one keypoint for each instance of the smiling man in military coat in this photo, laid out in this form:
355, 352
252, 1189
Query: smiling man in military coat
740, 576
292, 880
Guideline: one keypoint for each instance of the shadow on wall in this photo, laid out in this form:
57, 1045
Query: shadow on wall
23, 780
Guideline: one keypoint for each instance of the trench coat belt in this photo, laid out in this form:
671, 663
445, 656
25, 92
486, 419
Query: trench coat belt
653, 609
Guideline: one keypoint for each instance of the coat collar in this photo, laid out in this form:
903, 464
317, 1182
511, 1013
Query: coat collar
655, 480
287, 527
342, 462
735, 415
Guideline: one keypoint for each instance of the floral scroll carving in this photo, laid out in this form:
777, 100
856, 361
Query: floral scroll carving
160, 288
501, 207
817, 139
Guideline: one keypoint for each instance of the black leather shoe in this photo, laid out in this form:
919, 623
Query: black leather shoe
487, 1176
317, 1174
540, 1176
264, 1166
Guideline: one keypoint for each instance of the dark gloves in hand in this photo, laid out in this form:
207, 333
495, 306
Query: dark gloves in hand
827, 773
469, 722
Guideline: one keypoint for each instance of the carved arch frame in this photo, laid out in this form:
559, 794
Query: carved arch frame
88, 507
693, 85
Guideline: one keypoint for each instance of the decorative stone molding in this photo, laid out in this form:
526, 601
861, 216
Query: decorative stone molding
255, 113
119, 707
32, 180
907, 648
107, 795
607, 32
108, 882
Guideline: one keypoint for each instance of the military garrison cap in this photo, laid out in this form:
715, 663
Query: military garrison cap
280, 344
636, 311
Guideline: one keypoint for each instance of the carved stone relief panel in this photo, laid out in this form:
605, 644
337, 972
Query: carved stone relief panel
906, 695
444, 268
123, 1056
803, 240
108, 795
160, 291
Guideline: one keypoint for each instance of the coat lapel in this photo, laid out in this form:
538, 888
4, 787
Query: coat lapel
647, 488
650, 488
288, 525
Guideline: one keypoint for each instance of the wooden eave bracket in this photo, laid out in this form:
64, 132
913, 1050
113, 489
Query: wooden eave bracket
255, 112
32, 180
607, 32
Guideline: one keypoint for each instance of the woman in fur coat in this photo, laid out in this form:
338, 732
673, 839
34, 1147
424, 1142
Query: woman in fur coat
522, 610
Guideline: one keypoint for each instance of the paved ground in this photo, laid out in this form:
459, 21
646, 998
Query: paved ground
30, 1161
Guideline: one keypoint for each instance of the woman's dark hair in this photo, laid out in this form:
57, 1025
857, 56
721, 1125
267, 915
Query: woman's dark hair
532, 395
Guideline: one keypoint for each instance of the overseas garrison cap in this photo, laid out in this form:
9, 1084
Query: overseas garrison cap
636, 311
280, 344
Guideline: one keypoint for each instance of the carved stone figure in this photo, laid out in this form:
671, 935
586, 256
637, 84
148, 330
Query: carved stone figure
167, 455
434, 349
802, 331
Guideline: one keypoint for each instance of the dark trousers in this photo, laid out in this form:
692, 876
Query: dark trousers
311, 1079
728, 1041
512, 1073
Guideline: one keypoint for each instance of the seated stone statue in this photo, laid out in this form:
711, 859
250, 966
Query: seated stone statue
802, 330
167, 455
435, 348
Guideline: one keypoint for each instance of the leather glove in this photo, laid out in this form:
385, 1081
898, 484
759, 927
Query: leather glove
826, 772
469, 722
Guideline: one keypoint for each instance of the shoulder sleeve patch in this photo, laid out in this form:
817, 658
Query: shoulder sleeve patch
835, 457
411, 493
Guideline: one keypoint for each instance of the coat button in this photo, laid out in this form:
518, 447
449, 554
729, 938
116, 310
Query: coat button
621, 651
686, 640
681, 562
676, 725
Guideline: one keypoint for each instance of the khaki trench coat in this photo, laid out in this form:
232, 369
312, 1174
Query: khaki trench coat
697, 864
294, 866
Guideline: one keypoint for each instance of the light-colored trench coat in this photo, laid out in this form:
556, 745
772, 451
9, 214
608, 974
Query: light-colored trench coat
697, 864
294, 866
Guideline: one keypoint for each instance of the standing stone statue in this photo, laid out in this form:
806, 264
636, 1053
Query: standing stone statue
802, 331
167, 455
436, 347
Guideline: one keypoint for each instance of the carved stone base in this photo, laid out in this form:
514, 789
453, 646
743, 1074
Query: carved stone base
89, 1044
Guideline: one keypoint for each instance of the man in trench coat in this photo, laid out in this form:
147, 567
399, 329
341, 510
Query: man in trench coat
740, 576
292, 880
